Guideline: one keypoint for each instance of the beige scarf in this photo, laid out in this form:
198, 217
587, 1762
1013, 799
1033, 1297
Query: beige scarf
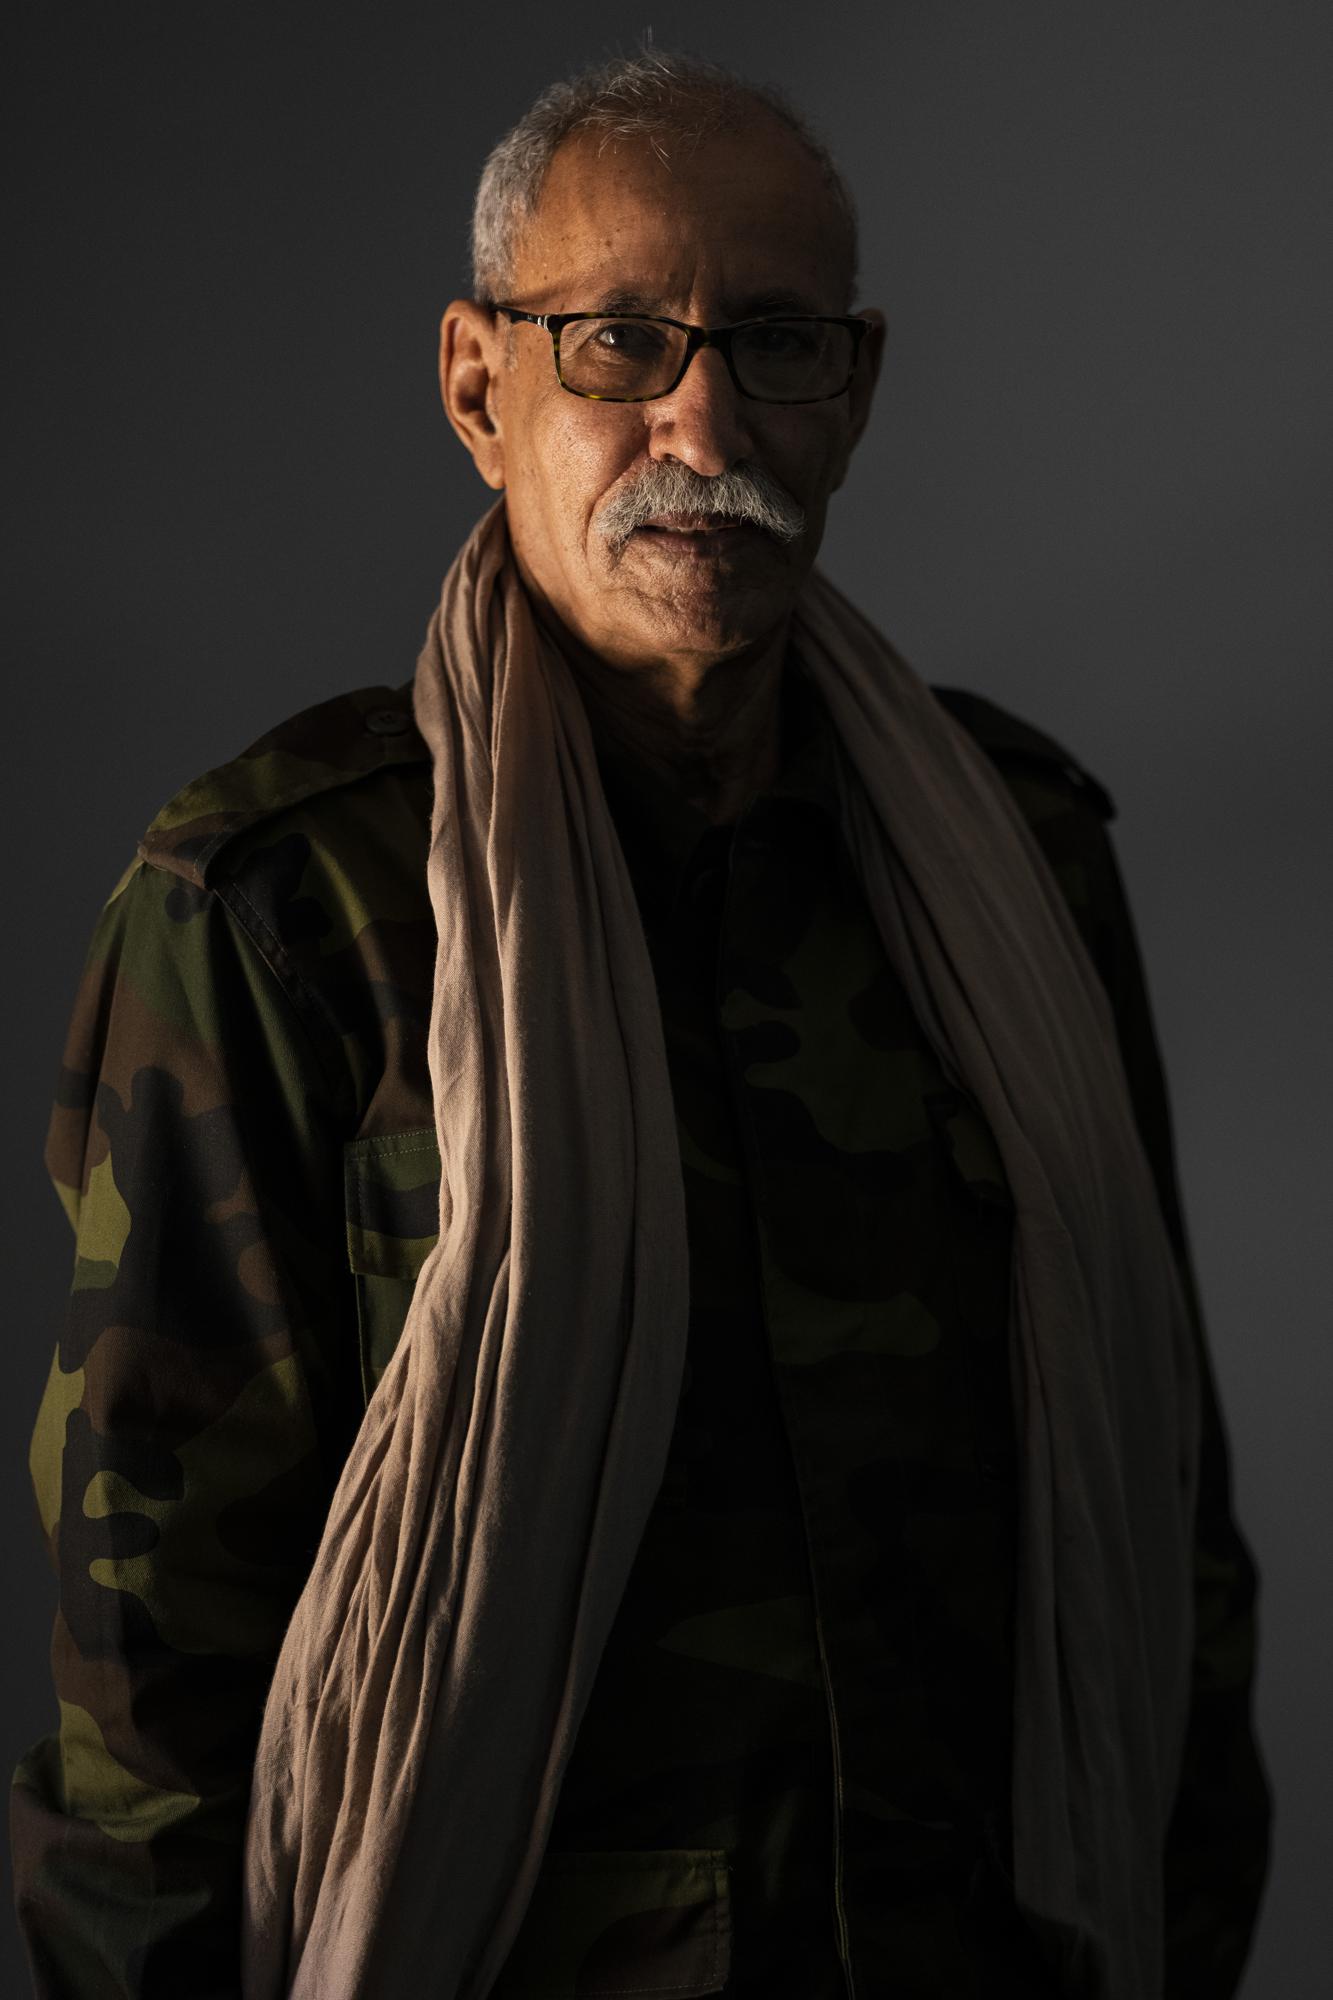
432, 1680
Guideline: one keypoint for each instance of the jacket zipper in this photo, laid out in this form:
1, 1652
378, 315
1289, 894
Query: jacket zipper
839, 1909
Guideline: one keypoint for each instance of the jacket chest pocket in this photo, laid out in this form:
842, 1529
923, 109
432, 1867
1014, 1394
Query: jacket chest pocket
602, 1925
391, 1187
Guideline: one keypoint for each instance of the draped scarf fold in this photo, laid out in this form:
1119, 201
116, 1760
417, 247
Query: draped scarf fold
432, 1679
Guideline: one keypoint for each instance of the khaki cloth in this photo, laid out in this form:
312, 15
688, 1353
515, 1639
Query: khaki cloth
432, 1679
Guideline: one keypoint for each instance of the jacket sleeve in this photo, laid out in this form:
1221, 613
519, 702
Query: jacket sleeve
1218, 1841
187, 1442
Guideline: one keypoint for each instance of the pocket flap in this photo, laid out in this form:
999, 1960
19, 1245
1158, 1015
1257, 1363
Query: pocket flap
392, 1192
607, 1924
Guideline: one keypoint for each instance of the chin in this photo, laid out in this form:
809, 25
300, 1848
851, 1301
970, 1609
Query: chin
722, 625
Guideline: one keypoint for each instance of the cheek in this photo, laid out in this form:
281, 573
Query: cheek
802, 448
578, 452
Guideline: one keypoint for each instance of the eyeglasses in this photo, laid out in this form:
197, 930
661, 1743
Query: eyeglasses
636, 357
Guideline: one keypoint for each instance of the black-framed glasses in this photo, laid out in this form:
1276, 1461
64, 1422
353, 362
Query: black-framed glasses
636, 357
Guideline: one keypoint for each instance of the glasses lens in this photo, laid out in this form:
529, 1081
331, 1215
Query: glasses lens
793, 360
619, 358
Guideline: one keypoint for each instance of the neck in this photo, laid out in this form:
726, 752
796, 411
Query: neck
713, 729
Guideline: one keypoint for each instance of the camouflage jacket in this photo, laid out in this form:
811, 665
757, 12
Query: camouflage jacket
792, 1776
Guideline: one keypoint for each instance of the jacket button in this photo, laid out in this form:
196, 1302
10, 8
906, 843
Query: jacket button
387, 721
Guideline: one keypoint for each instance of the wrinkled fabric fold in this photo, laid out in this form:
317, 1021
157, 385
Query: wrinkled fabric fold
431, 1682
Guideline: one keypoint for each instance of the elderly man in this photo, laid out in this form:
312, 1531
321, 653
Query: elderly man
632, 1386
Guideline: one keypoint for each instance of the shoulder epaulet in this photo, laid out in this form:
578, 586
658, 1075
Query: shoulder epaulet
320, 748
1008, 739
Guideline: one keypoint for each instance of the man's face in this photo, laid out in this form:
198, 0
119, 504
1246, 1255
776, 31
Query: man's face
737, 228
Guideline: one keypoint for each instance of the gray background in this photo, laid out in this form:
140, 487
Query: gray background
1096, 487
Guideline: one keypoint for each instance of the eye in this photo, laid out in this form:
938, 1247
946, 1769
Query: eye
630, 339
783, 340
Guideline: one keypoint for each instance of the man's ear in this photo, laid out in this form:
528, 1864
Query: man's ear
471, 359
862, 392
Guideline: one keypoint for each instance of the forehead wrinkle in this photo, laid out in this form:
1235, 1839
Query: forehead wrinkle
735, 306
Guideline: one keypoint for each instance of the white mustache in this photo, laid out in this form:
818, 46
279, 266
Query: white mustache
746, 494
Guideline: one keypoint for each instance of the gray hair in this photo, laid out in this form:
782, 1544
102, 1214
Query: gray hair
652, 95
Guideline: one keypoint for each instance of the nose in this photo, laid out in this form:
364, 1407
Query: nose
702, 423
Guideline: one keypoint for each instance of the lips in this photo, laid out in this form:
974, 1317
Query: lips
682, 524
691, 529
719, 542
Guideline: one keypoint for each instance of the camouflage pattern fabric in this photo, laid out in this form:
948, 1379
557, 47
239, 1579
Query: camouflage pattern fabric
792, 1775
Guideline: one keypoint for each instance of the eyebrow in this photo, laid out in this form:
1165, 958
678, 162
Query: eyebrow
755, 306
